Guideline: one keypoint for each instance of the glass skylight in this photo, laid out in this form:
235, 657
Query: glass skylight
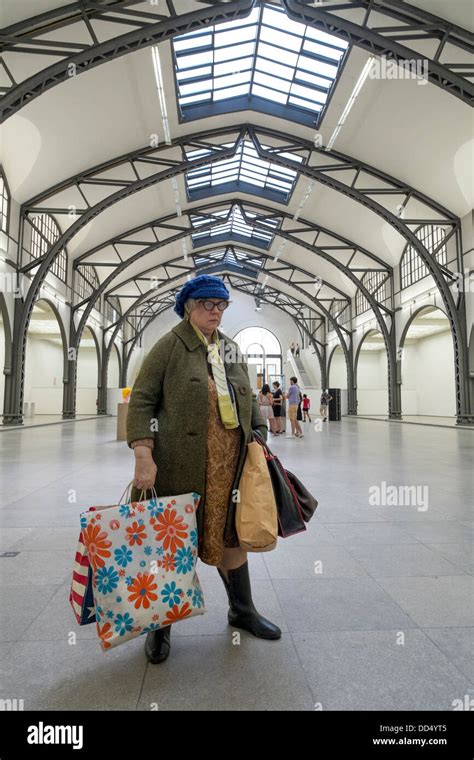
267, 62
234, 227
229, 255
245, 171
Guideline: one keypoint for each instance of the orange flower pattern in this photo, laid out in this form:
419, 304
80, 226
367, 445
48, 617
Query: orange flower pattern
135, 534
142, 588
95, 541
171, 530
144, 570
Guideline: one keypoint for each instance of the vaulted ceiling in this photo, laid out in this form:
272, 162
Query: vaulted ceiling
92, 125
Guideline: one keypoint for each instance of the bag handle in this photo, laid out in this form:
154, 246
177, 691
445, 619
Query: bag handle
258, 437
128, 493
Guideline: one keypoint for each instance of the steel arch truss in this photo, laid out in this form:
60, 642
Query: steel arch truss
30, 37
95, 22
400, 205
301, 312
244, 261
291, 306
453, 75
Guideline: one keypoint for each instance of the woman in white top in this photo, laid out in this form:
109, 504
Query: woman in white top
265, 404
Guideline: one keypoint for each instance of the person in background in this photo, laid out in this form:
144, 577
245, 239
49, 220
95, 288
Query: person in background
277, 405
293, 396
324, 403
299, 415
292, 348
265, 404
306, 407
297, 349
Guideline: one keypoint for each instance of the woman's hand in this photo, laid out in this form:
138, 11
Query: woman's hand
145, 468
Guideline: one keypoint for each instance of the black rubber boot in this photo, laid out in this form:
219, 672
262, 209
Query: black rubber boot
157, 645
242, 612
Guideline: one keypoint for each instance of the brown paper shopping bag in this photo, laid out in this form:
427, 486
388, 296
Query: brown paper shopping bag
256, 519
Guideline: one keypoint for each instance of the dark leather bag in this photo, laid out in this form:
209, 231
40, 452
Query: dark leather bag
289, 512
306, 500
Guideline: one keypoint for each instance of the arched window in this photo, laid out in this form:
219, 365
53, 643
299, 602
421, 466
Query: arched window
86, 281
44, 233
4, 203
412, 267
262, 349
376, 284
340, 311
113, 310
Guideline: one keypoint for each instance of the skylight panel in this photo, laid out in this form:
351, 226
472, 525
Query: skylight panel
242, 170
230, 67
197, 59
234, 53
320, 36
234, 226
193, 41
230, 92
276, 69
268, 94
258, 63
284, 56
229, 255
325, 51
236, 36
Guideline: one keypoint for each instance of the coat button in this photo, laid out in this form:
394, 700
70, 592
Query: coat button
243, 389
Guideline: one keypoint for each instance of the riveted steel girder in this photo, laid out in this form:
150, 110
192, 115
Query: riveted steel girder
18, 38
324, 175
289, 303
386, 40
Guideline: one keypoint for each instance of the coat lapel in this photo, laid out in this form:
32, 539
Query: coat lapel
189, 337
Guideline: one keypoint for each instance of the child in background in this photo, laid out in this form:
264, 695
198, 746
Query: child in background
306, 407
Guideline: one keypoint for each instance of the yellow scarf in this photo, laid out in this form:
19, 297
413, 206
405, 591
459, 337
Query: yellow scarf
227, 407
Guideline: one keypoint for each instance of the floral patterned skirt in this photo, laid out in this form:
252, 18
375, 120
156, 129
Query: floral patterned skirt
223, 449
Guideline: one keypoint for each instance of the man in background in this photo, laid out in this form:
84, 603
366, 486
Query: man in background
324, 403
293, 397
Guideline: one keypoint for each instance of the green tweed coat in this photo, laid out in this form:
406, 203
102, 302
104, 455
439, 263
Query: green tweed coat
171, 388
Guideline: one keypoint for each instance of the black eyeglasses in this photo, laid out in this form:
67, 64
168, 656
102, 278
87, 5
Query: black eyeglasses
209, 305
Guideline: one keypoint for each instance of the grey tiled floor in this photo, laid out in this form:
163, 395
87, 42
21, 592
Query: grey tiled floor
375, 602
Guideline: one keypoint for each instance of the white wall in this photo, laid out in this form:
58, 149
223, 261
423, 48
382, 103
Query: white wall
113, 372
44, 375
338, 370
86, 380
428, 376
372, 394
136, 360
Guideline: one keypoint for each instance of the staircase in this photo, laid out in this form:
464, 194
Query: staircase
304, 380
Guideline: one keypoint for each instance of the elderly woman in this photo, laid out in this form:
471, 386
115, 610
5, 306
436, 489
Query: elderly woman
196, 367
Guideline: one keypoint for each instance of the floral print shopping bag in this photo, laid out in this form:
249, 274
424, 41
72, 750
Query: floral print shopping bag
143, 560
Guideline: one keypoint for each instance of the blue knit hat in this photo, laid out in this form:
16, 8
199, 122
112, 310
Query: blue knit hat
202, 286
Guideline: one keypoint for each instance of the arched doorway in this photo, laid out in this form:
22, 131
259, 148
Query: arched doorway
45, 361
88, 358
262, 351
371, 375
427, 365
